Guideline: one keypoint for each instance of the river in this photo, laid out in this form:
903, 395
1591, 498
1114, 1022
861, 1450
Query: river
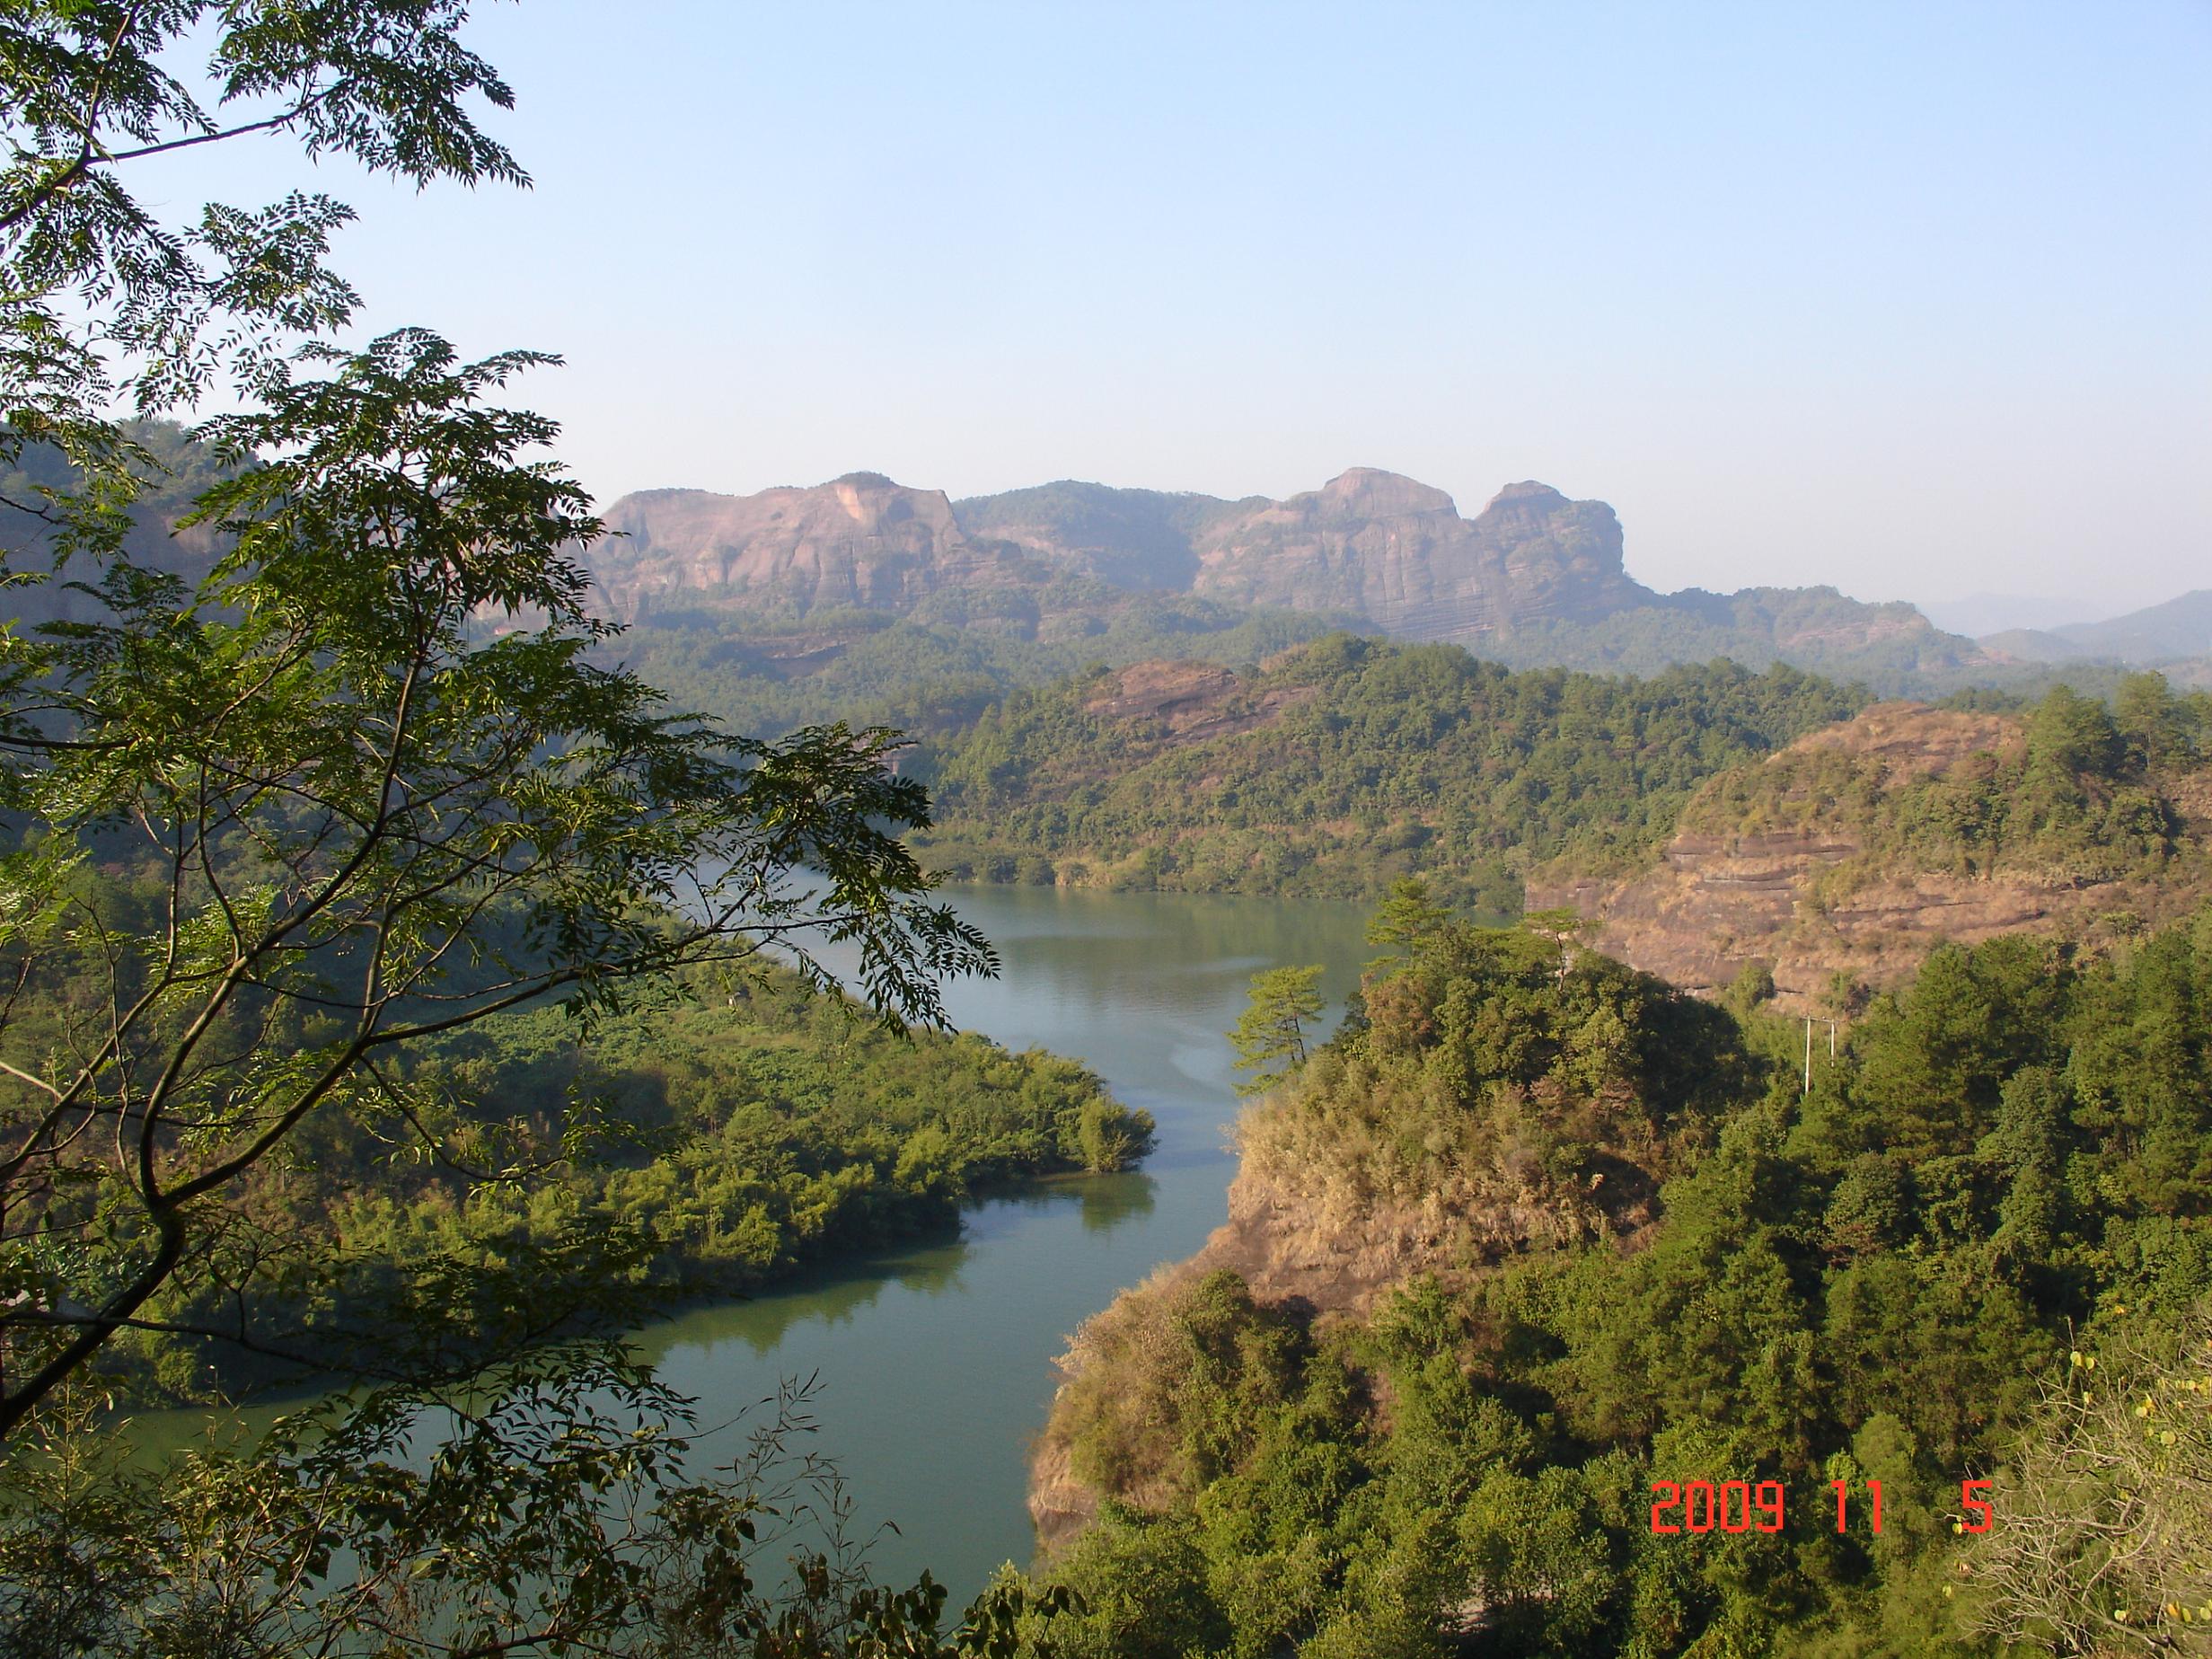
934, 1362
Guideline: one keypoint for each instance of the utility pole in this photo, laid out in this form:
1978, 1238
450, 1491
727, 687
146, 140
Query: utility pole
1808, 1054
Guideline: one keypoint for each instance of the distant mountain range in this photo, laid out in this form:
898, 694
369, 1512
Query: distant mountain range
1070, 572
1979, 615
2160, 633
1533, 577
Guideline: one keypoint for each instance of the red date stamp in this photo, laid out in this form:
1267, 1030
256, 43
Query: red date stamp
1743, 1507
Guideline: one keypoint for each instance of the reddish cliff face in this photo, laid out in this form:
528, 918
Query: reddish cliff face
1398, 551
1803, 888
860, 539
1369, 542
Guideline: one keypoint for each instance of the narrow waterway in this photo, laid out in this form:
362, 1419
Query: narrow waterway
931, 1366
934, 1364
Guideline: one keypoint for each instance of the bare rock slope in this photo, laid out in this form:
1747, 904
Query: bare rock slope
1398, 553
1370, 542
1810, 884
859, 540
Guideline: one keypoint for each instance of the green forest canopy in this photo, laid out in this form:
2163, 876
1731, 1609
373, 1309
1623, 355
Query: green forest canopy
1363, 762
2009, 1163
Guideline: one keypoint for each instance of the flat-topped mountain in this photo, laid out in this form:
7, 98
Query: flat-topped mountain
1369, 542
859, 539
1399, 553
1534, 578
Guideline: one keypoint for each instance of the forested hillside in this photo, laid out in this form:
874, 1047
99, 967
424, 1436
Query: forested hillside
1846, 856
935, 671
1634, 1264
1343, 765
709, 1139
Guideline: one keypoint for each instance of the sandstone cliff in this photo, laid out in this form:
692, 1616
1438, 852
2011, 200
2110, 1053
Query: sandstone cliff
859, 540
1533, 578
1422, 1143
1369, 542
1398, 553
1296, 1236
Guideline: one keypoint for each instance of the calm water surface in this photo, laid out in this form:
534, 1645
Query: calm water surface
935, 1364
932, 1365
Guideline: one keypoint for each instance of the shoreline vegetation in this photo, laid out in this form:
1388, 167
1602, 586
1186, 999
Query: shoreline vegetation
1534, 1231
714, 1141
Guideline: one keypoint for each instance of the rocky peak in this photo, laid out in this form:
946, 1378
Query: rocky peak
1369, 542
1366, 493
859, 539
1398, 551
1527, 490
1529, 512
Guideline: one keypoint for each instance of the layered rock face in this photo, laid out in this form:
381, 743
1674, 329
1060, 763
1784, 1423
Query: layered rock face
1398, 553
1369, 542
1804, 897
859, 540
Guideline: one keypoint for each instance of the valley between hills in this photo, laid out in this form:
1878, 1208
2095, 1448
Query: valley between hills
855, 1071
1553, 1215
1552, 1202
1129, 688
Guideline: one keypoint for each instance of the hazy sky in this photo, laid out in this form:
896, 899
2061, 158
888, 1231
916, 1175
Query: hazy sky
1916, 299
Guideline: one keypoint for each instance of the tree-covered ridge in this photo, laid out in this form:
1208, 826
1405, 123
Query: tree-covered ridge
1851, 854
1892, 646
1347, 763
2068, 787
1881, 1280
724, 1138
937, 670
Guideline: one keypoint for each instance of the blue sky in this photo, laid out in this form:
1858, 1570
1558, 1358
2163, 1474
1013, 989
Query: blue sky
1915, 299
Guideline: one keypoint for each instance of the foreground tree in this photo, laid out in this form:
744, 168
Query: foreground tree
2106, 1540
553, 1510
350, 824
264, 825
352, 798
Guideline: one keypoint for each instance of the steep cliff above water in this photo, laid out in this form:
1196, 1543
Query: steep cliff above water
1496, 1102
1363, 1422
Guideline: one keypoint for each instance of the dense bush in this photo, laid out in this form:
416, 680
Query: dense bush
2075, 799
2008, 1162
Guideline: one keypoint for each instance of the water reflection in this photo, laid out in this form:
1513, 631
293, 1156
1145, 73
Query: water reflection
1110, 1200
935, 1380
935, 1359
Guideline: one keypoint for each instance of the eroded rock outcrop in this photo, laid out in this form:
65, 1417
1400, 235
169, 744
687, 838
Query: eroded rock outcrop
1398, 553
1369, 543
859, 540
1797, 864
